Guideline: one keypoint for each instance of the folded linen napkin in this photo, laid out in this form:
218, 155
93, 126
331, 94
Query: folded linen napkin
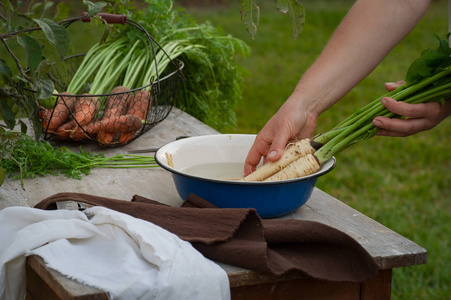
126, 257
240, 237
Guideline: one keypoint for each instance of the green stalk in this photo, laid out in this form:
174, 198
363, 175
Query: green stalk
92, 62
108, 66
102, 83
134, 70
358, 127
364, 132
120, 161
352, 118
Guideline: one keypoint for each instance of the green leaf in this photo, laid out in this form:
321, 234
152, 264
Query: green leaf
47, 6
36, 7
4, 69
9, 7
44, 66
94, 8
281, 5
297, 16
46, 88
62, 11
250, 15
8, 116
56, 34
32, 50
296, 12
429, 62
24, 127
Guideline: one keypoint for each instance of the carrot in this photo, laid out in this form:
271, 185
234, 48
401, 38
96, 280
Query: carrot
139, 106
60, 113
44, 116
123, 124
303, 166
105, 138
124, 138
78, 134
63, 132
115, 106
85, 109
292, 152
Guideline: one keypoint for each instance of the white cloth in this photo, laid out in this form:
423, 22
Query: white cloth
126, 257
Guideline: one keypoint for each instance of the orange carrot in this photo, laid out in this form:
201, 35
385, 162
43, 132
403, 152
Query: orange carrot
116, 105
105, 138
78, 134
139, 106
124, 138
60, 113
85, 109
63, 132
44, 116
121, 124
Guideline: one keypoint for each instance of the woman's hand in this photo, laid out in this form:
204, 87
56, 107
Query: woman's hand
292, 121
418, 117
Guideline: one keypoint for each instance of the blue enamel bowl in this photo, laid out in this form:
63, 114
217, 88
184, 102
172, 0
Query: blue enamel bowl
210, 165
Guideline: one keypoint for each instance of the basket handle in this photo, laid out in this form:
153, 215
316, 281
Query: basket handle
109, 18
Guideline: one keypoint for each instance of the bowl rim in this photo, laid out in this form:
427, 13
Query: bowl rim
332, 161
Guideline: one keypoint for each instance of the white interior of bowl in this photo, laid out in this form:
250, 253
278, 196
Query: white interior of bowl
211, 149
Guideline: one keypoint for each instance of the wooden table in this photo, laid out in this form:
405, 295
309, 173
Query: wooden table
388, 248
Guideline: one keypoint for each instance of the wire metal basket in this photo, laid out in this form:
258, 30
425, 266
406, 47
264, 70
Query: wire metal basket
155, 99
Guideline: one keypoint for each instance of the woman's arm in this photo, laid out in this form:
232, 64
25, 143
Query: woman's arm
369, 31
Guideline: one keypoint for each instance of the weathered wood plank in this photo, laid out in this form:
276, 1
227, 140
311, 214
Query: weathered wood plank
44, 283
390, 249
301, 288
154, 183
11, 195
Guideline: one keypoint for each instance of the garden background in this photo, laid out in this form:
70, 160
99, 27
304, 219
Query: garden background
403, 183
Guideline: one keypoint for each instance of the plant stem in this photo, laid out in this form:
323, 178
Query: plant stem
16, 60
359, 126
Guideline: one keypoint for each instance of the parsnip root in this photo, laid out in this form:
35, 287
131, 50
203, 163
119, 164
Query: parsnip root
303, 166
292, 152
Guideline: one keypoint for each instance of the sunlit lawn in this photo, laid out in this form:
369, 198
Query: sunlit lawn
403, 183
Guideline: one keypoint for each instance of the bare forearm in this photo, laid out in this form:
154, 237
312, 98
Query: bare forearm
370, 30
366, 35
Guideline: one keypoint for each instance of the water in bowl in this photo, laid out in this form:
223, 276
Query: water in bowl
217, 171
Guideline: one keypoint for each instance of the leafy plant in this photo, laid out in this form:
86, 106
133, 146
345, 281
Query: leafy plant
214, 80
250, 14
23, 157
44, 42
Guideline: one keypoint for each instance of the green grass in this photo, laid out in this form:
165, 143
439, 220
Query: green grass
403, 183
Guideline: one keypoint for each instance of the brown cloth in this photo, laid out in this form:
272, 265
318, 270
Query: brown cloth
240, 237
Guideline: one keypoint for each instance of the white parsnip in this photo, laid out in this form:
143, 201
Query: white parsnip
292, 152
303, 166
